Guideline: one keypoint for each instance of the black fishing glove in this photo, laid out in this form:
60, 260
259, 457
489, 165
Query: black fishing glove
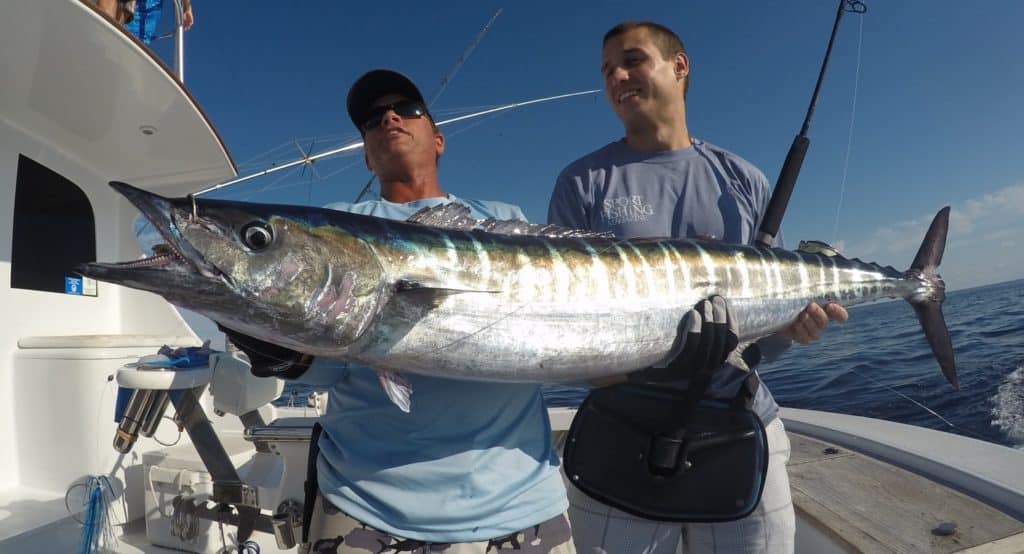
269, 360
707, 335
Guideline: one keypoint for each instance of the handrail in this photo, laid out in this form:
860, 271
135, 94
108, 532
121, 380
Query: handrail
359, 144
178, 34
179, 40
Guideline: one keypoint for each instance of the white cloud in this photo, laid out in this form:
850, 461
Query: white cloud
981, 248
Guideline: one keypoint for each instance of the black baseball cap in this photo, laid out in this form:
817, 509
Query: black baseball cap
374, 84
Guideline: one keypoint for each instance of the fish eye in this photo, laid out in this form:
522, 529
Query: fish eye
257, 236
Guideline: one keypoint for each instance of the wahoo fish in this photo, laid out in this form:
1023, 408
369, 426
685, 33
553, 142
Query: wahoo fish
443, 294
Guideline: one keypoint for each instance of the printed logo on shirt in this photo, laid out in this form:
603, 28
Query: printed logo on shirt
625, 209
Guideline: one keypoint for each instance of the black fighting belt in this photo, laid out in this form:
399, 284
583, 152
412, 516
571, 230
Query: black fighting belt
667, 454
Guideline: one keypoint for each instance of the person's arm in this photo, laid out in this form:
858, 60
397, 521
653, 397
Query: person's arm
707, 335
813, 320
186, 14
271, 360
807, 328
267, 359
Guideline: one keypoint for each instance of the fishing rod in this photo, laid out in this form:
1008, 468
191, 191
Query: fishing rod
444, 84
795, 157
787, 180
357, 145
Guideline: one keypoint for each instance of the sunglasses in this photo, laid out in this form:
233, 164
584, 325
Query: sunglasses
406, 109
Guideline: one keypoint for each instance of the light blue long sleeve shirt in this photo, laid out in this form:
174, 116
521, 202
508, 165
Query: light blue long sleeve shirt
472, 460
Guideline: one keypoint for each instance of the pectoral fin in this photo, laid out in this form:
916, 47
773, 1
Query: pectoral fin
459, 217
397, 388
429, 295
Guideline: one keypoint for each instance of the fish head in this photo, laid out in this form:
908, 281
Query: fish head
284, 274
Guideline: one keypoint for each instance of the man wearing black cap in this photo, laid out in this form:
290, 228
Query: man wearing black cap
471, 467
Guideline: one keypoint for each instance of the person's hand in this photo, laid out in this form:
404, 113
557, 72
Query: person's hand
812, 321
707, 336
266, 359
186, 18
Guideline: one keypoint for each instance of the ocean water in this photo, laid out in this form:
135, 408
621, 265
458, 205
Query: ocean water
879, 365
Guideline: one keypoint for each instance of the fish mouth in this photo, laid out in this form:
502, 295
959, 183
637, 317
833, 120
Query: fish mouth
175, 254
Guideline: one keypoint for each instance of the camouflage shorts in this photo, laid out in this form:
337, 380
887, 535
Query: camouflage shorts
334, 532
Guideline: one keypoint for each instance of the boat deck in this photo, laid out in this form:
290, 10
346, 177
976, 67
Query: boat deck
845, 502
871, 506
848, 501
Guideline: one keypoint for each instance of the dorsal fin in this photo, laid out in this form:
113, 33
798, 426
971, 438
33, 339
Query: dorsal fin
447, 216
457, 216
818, 247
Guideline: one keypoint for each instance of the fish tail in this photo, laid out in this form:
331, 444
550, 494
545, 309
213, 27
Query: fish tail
927, 298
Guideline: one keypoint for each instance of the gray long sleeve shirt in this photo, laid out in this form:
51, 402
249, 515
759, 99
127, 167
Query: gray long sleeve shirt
699, 192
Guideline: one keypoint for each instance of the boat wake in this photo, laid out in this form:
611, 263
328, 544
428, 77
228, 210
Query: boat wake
1008, 407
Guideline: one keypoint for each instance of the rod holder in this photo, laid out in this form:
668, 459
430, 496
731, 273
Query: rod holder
139, 406
155, 413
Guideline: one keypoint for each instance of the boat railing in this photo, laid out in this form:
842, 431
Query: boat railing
178, 34
179, 40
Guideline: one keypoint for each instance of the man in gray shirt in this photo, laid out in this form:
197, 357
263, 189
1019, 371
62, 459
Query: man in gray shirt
659, 181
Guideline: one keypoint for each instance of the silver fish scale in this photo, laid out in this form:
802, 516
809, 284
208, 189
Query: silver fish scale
544, 305
540, 309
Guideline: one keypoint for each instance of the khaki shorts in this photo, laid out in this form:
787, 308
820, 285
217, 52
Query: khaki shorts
332, 531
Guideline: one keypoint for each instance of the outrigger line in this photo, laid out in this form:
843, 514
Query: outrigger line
462, 59
358, 145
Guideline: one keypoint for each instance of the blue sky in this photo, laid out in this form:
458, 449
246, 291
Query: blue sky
938, 119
